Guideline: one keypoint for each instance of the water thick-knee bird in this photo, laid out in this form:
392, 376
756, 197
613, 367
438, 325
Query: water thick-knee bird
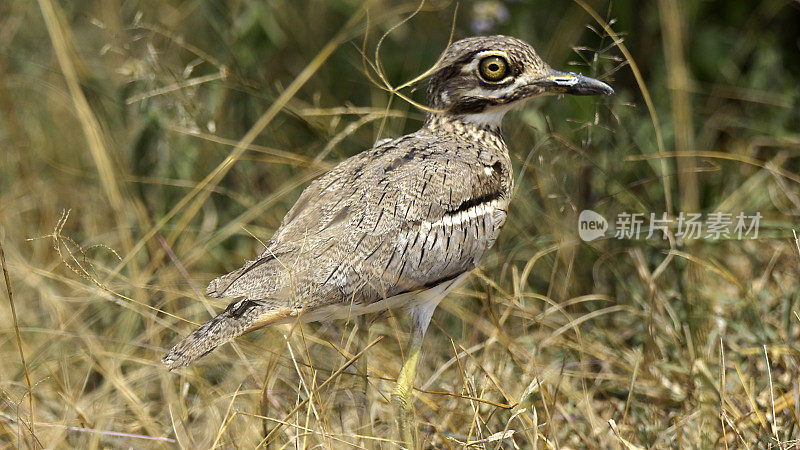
400, 224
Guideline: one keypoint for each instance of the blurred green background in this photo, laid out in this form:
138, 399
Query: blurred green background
124, 112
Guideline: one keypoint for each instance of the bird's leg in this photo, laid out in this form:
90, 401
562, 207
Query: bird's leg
402, 396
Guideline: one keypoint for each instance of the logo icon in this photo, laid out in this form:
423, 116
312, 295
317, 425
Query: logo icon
591, 225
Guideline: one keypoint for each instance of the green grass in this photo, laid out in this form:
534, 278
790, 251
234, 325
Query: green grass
178, 134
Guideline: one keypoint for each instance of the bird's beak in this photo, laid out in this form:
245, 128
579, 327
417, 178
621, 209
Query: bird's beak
557, 82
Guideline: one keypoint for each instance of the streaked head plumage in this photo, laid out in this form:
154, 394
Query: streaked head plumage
481, 78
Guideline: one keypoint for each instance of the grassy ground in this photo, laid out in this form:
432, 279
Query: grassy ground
177, 134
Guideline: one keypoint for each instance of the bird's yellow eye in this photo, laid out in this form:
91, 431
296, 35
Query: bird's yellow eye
493, 68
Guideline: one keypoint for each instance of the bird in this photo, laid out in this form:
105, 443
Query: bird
402, 223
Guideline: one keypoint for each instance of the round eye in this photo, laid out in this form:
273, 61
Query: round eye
493, 68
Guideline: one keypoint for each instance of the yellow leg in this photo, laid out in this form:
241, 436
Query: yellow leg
403, 396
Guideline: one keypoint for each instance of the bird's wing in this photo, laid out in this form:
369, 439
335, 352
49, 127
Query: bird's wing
397, 218
364, 222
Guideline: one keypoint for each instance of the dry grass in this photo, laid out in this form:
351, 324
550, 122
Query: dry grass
179, 133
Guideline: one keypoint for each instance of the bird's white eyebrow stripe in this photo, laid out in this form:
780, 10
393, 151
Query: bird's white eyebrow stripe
485, 53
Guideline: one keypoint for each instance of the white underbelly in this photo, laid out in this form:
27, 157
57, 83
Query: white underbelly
429, 297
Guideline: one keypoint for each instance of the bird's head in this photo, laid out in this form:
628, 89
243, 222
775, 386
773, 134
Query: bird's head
479, 79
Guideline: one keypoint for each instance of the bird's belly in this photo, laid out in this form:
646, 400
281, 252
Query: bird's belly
429, 295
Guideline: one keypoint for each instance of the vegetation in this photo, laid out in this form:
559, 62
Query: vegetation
149, 146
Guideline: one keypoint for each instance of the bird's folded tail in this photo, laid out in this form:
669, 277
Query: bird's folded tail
238, 318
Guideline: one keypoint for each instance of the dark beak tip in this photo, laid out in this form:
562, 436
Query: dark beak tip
574, 84
592, 86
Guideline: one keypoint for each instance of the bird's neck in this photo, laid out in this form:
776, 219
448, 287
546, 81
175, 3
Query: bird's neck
464, 125
485, 137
